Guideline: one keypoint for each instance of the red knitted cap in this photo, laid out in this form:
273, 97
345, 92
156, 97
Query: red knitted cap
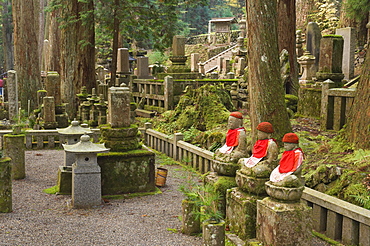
237, 115
290, 138
265, 127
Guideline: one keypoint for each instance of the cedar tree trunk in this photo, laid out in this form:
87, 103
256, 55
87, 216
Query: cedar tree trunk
266, 91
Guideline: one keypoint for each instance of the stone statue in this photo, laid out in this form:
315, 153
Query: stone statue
288, 173
264, 154
235, 146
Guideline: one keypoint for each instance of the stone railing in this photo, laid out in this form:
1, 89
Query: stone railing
44, 139
162, 95
337, 219
335, 105
177, 149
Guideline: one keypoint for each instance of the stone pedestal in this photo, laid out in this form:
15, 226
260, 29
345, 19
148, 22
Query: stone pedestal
127, 172
241, 212
86, 186
251, 184
49, 113
64, 181
283, 223
221, 184
190, 218
15, 148
225, 168
214, 234
5, 185
120, 139
119, 104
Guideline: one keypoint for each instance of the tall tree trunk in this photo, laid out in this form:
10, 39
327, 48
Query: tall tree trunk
303, 9
265, 88
358, 127
26, 56
287, 41
77, 53
8, 35
54, 37
115, 44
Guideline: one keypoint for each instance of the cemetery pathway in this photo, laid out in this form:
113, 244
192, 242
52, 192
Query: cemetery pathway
43, 219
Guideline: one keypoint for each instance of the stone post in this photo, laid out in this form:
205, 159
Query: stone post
5, 186
194, 60
119, 107
177, 137
349, 46
123, 64
12, 86
14, 148
168, 93
220, 65
49, 113
52, 87
326, 105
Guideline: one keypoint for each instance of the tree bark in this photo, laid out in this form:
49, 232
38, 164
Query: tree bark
287, 40
77, 53
115, 44
265, 88
26, 56
358, 125
8, 36
54, 37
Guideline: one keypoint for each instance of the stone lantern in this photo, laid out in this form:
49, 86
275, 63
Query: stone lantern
86, 175
72, 134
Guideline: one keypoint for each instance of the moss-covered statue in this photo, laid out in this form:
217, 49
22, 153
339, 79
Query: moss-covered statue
288, 173
235, 146
264, 154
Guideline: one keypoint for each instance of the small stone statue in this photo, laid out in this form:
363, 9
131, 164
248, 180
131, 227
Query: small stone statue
288, 173
235, 146
264, 154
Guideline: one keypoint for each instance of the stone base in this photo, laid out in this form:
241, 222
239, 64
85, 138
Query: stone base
251, 184
225, 168
283, 223
120, 139
221, 185
127, 172
284, 194
62, 120
64, 182
241, 213
86, 186
213, 234
179, 75
50, 125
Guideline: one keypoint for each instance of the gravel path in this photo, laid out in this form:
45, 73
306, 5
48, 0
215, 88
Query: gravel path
42, 219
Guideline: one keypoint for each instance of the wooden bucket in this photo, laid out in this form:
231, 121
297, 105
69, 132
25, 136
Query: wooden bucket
161, 176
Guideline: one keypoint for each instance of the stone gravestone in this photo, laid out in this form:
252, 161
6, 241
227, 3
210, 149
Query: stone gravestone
12, 94
178, 57
142, 67
348, 62
313, 38
331, 54
52, 87
119, 107
123, 65
194, 66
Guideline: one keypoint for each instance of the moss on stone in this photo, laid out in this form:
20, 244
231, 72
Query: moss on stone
224, 183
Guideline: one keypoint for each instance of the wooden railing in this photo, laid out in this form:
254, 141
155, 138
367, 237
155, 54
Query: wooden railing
335, 105
337, 219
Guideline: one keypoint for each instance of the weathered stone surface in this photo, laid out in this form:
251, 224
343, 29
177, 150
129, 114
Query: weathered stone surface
251, 184
284, 193
309, 103
5, 185
119, 99
214, 234
241, 212
64, 181
127, 172
190, 218
313, 37
283, 223
15, 149
225, 168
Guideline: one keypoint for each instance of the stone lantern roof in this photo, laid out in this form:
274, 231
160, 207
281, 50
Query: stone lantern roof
74, 129
85, 146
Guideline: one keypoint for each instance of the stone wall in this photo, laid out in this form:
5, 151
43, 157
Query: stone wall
309, 103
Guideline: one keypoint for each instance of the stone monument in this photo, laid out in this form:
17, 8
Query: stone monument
291, 223
86, 176
241, 202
